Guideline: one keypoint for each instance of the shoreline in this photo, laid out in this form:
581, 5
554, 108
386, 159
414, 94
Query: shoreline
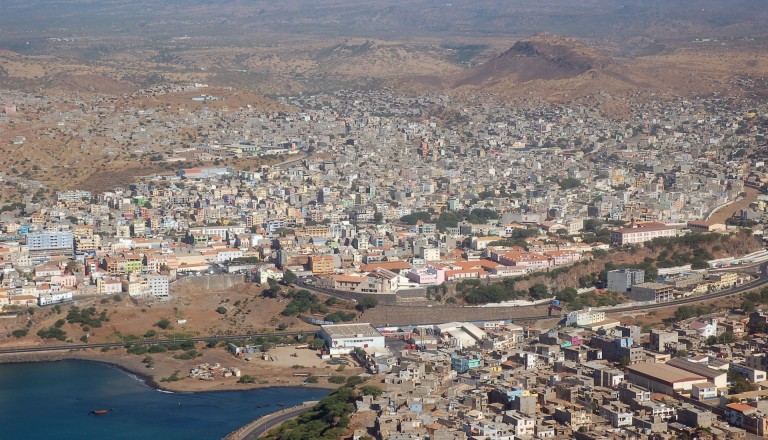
143, 376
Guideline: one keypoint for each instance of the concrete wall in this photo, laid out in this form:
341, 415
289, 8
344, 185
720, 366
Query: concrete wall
212, 283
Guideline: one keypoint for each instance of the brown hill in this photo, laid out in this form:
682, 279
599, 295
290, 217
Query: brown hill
541, 57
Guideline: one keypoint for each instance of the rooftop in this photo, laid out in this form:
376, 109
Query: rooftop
350, 330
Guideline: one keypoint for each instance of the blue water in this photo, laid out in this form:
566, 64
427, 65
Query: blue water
52, 400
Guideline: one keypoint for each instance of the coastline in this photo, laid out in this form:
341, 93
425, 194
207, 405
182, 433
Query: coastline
129, 368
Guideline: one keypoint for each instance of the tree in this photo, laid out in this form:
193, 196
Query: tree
538, 291
289, 277
378, 217
748, 306
317, 344
164, 323
727, 338
368, 302
371, 390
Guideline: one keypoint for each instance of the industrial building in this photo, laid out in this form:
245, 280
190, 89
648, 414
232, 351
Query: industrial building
344, 338
663, 378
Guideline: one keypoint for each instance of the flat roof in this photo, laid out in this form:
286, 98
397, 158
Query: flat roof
350, 330
692, 367
663, 373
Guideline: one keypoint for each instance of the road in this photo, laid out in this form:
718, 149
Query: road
762, 280
270, 421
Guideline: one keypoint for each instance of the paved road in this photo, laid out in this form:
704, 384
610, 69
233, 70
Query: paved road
272, 420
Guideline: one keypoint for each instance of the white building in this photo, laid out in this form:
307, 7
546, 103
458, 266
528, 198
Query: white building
584, 317
344, 338
158, 286
54, 298
642, 233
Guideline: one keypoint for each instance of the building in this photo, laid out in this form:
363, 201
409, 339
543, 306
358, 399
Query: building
54, 298
621, 280
662, 378
642, 233
158, 286
717, 377
344, 338
51, 243
321, 264
705, 226
651, 292
662, 341
73, 195
584, 317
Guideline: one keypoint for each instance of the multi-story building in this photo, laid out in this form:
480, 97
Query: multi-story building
50, 243
621, 280
655, 292
321, 264
642, 233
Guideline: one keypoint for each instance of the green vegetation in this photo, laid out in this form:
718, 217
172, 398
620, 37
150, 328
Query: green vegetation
157, 349
164, 323
289, 277
173, 377
137, 349
337, 379
222, 310
20, 333
311, 379
739, 384
371, 390
187, 355
687, 312
53, 333
246, 379
325, 421
366, 303
341, 316
86, 317
303, 301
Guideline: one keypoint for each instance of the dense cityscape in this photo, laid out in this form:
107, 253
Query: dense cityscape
381, 199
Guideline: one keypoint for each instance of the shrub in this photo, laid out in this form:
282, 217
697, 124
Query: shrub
53, 333
222, 310
337, 379
164, 323
157, 349
20, 333
246, 379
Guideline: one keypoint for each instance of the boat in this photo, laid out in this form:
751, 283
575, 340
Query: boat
281, 404
99, 412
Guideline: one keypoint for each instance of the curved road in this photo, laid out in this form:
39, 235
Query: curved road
761, 280
275, 419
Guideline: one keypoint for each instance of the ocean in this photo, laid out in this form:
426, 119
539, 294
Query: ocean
53, 400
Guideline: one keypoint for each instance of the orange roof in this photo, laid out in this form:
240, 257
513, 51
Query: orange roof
348, 279
740, 407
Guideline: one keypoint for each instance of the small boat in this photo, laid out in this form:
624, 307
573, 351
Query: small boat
99, 412
281, 404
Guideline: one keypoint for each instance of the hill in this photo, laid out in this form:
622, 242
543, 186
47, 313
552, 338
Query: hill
541, 57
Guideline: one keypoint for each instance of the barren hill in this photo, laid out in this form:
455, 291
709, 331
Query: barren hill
541, 57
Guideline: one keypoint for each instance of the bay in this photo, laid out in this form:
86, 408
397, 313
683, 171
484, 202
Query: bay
53, 400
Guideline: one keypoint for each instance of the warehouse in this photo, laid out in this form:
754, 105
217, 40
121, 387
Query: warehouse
663, 378
344, 338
